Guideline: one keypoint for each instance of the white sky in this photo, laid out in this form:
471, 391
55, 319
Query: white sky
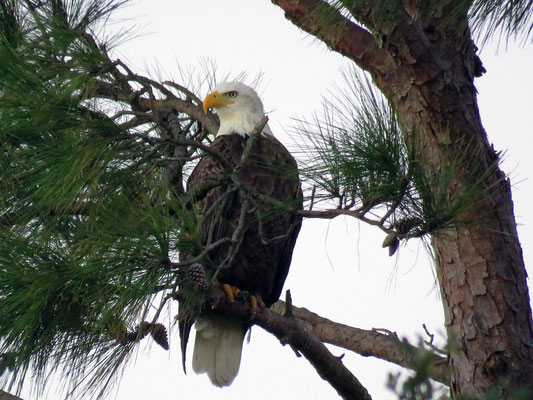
339, 269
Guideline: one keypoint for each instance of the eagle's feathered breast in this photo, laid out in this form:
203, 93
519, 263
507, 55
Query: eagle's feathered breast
261, 261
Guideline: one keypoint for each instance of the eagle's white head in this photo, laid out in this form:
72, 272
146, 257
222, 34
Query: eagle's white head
239, 108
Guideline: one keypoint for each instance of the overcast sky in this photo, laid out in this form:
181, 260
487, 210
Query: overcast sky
339, 269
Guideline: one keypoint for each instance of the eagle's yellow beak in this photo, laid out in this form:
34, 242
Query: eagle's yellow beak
214, 100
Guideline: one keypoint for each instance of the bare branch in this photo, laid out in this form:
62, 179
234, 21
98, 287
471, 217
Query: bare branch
238, 235
385, 346
289, 331
209, 121
249, 145
169, 120
7, 396
202, 255
337, 32
187, 142
185, 91
123, 92
335, 212
141, 114
393, 229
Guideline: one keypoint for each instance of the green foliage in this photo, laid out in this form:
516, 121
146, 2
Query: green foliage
487, 18
356, 153
417, 385
503, 17
10, 22
356, 156
87, 220
58, 307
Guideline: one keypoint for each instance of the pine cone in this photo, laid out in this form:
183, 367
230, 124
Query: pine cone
392, 242
159, 334
139, 333
196, 275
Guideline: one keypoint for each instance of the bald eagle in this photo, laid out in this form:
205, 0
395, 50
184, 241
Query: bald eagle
260, 261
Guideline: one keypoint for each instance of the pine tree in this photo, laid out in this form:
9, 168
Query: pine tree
422, 57
94, 212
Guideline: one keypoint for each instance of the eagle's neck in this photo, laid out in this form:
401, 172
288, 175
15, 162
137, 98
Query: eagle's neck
240, 123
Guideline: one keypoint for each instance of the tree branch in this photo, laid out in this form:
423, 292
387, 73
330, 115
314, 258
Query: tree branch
289, 331
306, 332
7, 396
337, 32
396, 230
367, 343
127, 95
187, 142
185, 91
209, 121
335, 212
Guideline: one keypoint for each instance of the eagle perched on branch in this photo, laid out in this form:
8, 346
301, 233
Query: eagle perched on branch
252, 217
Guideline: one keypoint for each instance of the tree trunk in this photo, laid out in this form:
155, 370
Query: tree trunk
480, 266
425, 65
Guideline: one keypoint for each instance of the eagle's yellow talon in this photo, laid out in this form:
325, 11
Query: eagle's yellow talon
231, 292
256, 302
253, 304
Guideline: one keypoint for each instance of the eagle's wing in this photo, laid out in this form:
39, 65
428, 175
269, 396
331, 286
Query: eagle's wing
209, 170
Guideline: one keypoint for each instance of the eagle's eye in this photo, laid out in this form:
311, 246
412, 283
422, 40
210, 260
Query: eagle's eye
233, 93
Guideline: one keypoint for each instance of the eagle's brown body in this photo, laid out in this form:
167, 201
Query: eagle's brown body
261, 263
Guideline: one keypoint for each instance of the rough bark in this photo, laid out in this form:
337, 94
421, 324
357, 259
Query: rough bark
479, 264
426, 69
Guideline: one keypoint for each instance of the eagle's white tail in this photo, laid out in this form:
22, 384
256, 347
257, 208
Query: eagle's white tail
217, 348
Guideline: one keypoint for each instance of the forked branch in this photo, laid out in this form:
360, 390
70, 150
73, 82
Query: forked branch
368, 343
288, 330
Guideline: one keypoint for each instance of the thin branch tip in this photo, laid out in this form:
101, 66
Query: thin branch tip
288, 304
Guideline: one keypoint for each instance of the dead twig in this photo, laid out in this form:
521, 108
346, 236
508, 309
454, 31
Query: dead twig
202, 255
237, 237
185, 91
249, 145
186, 142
